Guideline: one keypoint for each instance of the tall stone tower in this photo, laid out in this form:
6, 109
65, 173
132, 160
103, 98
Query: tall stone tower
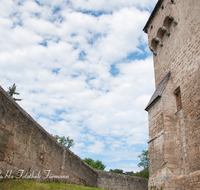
174, 110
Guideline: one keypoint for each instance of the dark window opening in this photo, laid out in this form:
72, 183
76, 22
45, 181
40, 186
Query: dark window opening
178, 98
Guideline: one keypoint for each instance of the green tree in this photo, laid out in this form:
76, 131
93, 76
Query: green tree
143, 173
129, 173
144, 157
117, 171
95, 164
66, 141
12, 90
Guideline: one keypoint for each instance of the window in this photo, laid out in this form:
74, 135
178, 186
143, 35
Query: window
178, 98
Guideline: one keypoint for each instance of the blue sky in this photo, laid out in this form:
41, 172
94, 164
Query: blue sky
84, 70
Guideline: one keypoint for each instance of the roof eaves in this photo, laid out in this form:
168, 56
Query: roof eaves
152, 103
158, 5
159, 90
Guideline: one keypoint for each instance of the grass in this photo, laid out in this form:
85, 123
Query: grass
21, 184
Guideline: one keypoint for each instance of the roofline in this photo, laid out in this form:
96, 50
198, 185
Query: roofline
152, 103
159, 90
158, 5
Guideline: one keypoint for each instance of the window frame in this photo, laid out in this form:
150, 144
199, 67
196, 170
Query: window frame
177, 94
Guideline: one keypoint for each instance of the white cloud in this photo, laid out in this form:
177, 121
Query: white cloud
110, 5
96, 146
67, 85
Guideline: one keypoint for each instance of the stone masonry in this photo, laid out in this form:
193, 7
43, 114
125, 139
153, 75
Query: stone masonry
174, 110
25, 145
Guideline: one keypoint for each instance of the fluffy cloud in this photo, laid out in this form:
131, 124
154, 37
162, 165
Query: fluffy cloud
83, 70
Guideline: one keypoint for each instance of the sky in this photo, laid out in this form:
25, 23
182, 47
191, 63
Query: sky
84, 70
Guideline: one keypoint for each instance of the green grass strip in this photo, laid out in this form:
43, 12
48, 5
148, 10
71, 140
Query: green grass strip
22, 184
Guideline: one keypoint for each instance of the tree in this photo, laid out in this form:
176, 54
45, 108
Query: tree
117, 171
129, 173
143, 173
95, 164
12, 90
144, 157
66, 141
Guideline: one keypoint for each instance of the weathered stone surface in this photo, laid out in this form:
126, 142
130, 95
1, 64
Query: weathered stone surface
112, 181
25, 145
174, 135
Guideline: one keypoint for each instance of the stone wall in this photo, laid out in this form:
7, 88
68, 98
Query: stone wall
25, 145
112, 181
174, 38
